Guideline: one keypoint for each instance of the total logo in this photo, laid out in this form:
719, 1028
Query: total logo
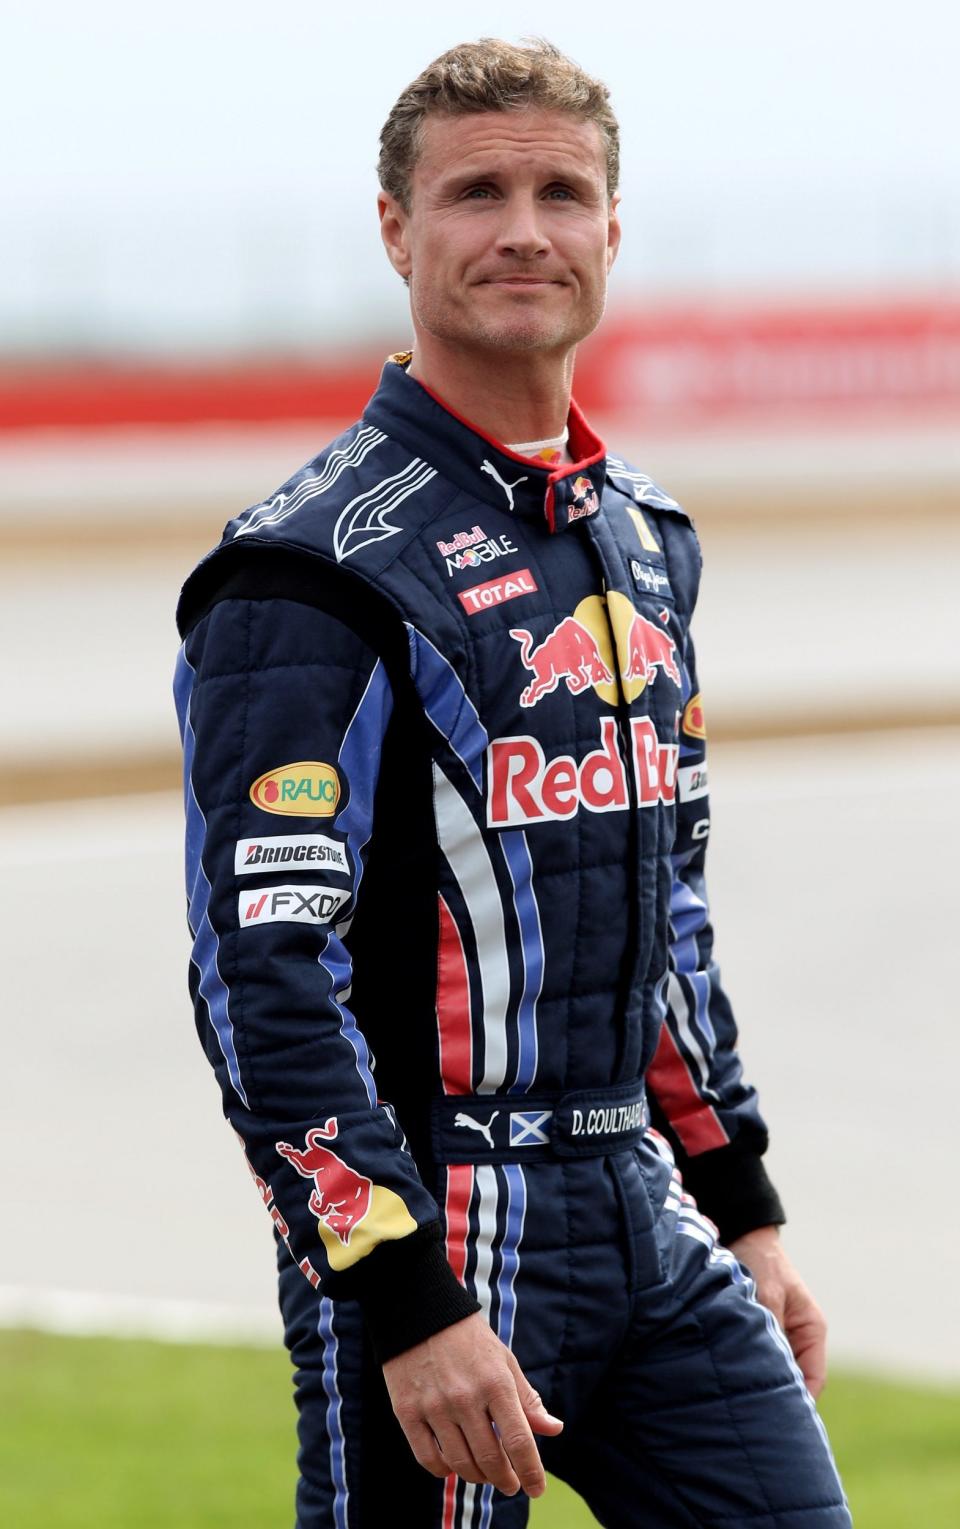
307, 789
579, 652
510, 586
524, 788
479, 553
290, 905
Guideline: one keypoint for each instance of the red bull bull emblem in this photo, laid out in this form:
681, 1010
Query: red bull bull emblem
353, 1213
579, 652
650, 648
340, 1196
584, 501
570, 652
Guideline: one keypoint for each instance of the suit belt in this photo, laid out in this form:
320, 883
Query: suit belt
518, 1128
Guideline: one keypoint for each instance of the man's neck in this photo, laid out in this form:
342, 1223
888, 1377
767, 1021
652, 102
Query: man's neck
511, 396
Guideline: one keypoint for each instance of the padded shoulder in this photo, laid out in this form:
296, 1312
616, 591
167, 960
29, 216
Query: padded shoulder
632, 481
256, 570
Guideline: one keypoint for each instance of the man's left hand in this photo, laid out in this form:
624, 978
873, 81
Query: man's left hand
782, 1291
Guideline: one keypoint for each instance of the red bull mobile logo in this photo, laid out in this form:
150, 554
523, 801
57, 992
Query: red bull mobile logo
579, 652
353, 1213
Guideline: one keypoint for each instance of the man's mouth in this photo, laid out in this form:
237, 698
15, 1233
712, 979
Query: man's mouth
519, 281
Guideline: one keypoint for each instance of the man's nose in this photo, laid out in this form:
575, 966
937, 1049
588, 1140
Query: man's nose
522, 232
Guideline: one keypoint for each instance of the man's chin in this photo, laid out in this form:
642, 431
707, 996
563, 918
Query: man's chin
523, 335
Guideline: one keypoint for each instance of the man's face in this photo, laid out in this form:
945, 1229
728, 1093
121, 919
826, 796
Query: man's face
510, 232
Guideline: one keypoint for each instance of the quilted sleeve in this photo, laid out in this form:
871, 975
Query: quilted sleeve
283, 710
700, 1097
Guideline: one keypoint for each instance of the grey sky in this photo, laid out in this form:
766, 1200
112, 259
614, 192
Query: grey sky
205, 173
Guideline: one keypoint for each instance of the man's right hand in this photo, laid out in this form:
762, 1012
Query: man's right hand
466, 1407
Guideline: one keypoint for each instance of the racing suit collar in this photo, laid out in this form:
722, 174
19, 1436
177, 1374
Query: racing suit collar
484, 468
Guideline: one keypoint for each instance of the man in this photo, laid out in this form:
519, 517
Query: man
446, 822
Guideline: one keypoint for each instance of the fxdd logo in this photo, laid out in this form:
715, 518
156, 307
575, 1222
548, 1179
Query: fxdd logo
307, 789
290, 905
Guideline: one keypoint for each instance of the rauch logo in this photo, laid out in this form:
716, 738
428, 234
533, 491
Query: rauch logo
307, 789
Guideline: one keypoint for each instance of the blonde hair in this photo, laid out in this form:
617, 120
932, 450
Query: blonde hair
492, 75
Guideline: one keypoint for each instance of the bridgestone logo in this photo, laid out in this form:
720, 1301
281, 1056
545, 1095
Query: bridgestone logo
276, 852
608, 1122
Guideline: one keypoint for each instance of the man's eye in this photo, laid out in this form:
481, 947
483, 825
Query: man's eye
478, 193
560, 193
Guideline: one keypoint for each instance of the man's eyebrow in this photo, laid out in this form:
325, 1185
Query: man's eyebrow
480, 173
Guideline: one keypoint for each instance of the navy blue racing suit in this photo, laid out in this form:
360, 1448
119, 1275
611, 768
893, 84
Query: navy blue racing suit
446, 800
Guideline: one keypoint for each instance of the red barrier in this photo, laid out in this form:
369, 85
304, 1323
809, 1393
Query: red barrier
666, 368
723, 363
98, 395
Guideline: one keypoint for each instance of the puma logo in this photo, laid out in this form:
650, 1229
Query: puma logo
477, 1125
508, 488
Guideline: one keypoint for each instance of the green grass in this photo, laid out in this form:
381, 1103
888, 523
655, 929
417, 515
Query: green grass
108, 1434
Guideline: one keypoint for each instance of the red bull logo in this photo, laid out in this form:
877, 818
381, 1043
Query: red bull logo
461, 539
570, 653
340, 1197
579, 652
524, 788
473, 554
650, 648
353, 1213
584, 501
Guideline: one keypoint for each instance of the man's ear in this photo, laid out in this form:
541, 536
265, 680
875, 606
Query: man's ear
613, 230
394, 231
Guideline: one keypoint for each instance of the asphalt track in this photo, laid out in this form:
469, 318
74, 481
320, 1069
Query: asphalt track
127, 1203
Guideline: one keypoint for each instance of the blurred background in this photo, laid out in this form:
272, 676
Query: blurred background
193, 299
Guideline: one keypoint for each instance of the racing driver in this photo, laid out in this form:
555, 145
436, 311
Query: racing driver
452, 962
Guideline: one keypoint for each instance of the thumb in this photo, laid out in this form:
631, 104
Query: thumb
540, 1420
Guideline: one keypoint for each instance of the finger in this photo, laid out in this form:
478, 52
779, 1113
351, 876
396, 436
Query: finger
806, 1329
810, 1353
457, 1453
426, 1449
489, 1453
518, 1445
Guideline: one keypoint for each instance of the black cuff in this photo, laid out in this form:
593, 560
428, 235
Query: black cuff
730, 1185
408, 1291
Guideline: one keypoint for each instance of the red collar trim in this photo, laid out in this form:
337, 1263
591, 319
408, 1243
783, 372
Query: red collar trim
583, 440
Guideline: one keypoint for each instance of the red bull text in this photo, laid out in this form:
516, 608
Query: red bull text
524, 788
